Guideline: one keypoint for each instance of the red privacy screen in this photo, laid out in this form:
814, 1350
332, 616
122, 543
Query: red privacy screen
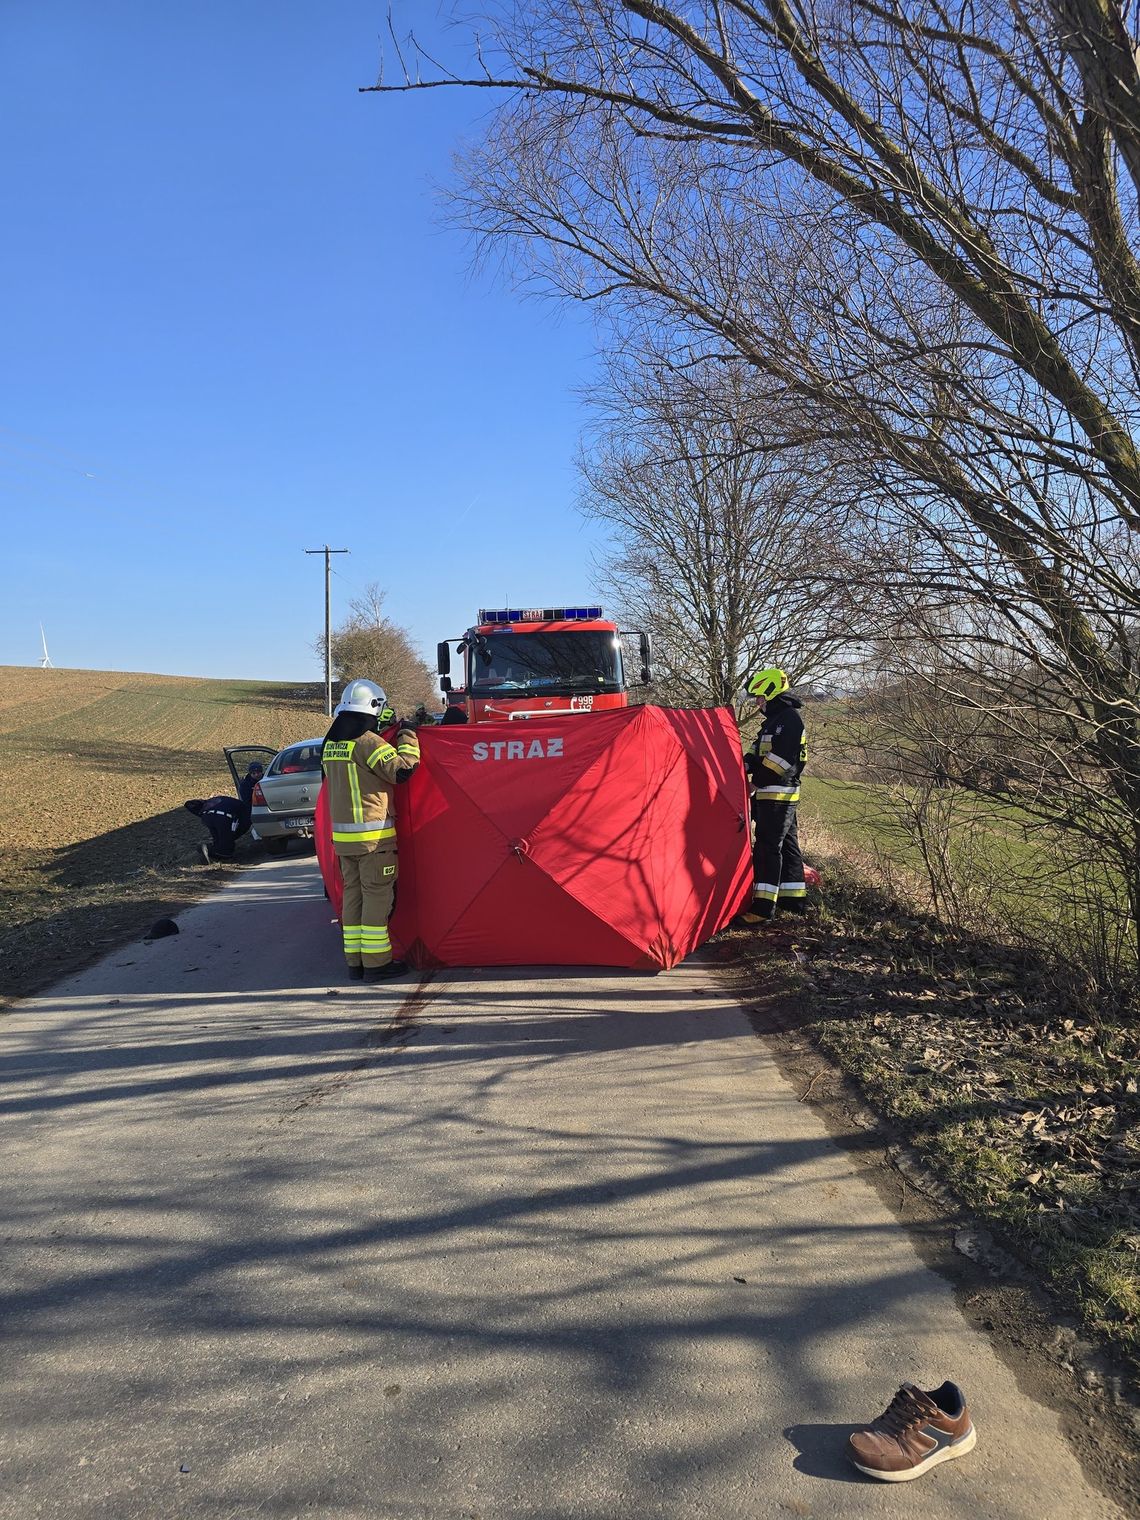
608, 839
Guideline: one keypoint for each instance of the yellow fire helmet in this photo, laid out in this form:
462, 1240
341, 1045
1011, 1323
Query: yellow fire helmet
767, 683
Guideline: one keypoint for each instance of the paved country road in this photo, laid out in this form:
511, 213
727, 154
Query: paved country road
491, 1244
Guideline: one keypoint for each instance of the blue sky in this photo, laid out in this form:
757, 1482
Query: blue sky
234, 327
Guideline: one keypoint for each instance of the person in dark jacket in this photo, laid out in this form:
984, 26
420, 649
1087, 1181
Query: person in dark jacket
774, 765
245, 787
227, 820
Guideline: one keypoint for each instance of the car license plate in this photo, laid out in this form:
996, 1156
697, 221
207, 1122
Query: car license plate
298, 823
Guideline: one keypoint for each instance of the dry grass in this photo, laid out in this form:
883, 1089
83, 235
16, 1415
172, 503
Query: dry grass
97, 766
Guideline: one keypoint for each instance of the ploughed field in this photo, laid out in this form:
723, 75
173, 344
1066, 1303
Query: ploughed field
96, 767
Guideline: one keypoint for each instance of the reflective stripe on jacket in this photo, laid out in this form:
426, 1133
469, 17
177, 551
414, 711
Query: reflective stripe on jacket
362, 775
777, 758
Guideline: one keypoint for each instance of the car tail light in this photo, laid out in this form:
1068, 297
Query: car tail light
258, 795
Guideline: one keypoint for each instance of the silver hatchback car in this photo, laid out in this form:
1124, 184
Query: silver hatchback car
285, 798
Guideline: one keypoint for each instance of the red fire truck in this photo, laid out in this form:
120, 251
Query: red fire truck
536, 662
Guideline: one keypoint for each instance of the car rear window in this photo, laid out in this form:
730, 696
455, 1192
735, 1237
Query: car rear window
297, 758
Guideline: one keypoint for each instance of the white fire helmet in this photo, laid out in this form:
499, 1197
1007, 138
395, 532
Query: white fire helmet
362, 697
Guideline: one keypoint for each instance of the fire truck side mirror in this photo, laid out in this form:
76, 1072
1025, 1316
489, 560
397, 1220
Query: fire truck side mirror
445, 683
443, 661
646, 659
646, 649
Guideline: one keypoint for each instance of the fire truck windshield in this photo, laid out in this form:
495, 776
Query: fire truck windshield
552, 663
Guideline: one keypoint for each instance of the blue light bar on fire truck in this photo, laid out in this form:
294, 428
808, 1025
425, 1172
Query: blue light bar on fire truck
537, 614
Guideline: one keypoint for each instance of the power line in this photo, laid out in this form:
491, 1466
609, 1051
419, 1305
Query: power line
328, 553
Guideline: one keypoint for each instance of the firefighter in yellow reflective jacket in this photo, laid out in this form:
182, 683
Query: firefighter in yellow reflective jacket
774, 765
362, 771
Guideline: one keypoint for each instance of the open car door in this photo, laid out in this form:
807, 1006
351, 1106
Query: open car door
240, 757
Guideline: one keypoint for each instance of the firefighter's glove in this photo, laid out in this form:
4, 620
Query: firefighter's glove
406, 724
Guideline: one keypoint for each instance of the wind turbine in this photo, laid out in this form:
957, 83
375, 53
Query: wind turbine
45, 663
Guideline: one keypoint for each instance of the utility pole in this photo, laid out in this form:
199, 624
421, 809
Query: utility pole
327, 552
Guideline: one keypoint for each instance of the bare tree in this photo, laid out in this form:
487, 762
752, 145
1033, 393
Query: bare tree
369, 644
921, 225
722, 535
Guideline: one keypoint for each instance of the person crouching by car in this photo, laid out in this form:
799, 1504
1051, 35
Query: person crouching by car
362, 771
227, 820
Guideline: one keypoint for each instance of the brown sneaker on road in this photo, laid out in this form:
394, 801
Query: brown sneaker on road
914, 1433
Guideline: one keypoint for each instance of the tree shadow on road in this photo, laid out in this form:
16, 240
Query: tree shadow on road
131, 1048
573, 1289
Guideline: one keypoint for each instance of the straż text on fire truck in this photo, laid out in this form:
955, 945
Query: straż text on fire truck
517, 749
